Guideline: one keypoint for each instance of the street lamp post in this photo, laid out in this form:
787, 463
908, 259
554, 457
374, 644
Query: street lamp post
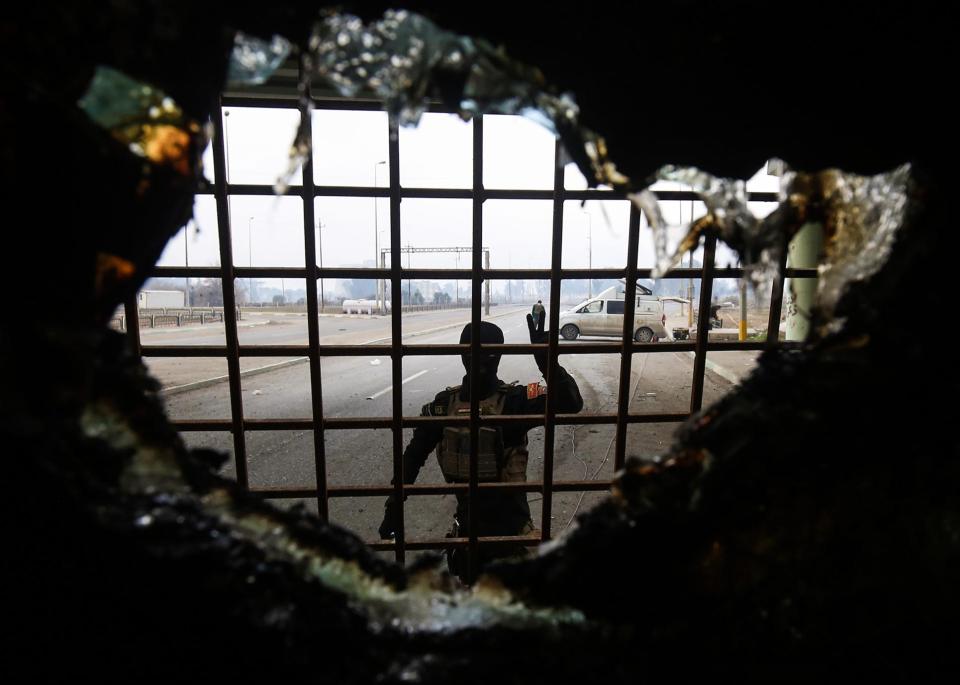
381, 296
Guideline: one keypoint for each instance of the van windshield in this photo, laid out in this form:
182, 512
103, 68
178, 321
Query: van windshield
594, 307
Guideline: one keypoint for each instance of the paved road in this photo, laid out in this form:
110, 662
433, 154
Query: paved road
360, 386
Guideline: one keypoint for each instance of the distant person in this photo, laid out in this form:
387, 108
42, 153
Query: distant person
502, 451
538, 309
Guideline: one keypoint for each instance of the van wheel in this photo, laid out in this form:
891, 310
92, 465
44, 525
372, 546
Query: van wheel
570, 332
643, 335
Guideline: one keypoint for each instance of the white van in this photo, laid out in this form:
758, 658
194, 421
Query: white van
603, 315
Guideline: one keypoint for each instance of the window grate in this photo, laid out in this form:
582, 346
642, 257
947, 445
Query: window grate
232, 351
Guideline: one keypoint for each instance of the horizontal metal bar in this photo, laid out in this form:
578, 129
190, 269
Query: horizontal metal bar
449, 349
384, 422
425, 489
277, 424
594, 194
270, 272
292, 101
184, 351
186, 272
443, 543
263, 190
510, 194
436, 193
459, 274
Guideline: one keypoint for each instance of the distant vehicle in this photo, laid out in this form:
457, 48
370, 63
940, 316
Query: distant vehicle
362, 306
160, 299
603, 315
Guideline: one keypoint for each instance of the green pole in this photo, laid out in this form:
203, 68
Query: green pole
803, 253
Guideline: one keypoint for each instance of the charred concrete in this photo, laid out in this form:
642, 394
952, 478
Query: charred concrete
810, 519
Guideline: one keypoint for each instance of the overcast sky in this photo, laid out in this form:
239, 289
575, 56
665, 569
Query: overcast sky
518, 154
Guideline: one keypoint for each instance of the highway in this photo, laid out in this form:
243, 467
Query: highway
361, 387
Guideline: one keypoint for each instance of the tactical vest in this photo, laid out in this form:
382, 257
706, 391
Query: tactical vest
495, 462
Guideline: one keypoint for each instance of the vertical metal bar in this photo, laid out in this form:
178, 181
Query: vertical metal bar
486, 288
396, 334
703, 321
776, 302
626, 355
132, 314
229, 299
313, 318
549, 428
476, 294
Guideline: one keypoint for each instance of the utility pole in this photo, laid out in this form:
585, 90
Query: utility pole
381, 295
486, 266
186, 260
743, 309
320, 248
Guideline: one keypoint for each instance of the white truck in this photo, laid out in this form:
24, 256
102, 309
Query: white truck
160, 299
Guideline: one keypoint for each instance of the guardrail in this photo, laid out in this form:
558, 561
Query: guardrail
155, 317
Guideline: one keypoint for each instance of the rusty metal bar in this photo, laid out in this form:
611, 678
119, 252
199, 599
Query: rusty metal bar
229, 299
703, 323
776, 301
385, 422
462, 274
132, 323
440, 349
270, 272
626, 357
185, 272
425, 489
396, 356
475, 398
556, 259
443, 543
313, 320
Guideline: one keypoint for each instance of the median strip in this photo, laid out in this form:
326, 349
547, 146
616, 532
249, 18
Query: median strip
196, 385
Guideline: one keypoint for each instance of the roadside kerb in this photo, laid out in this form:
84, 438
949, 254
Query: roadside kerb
196, 385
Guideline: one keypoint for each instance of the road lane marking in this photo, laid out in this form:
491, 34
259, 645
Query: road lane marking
403, 382
721, 371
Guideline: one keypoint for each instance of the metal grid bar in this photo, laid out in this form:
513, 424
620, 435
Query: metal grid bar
313, 316
445, 349
776, 301
475, 291
132, 315
626, 358
477, 274
703, 334
556, 258
229, 300
462, 274
396, 356
373, 422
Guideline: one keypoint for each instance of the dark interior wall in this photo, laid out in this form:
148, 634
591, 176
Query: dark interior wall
663, 83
